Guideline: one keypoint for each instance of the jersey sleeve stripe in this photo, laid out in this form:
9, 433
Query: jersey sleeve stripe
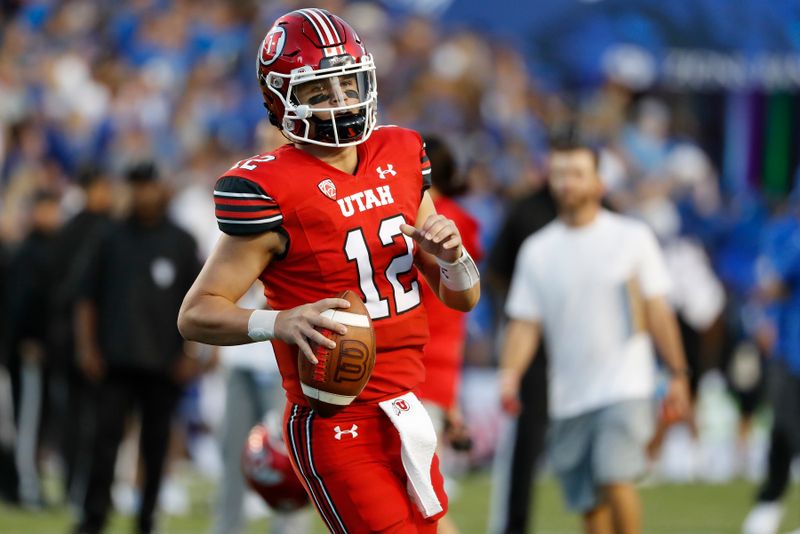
239, 202
242, 207
241, 228
241, 195
251, 221
235, 186
425, 169
247, 209
246, 214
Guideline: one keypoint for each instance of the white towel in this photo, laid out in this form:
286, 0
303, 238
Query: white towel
418, 439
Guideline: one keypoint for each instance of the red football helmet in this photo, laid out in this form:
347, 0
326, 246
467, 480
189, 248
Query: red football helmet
318, 54
269, 472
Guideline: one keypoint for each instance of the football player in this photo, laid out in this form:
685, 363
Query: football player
344, 206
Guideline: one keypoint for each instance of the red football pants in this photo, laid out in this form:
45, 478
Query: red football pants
351, 468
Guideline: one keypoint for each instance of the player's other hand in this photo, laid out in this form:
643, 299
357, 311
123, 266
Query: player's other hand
676, 401
509, 383
298, 326
438, 236
92, 365
456, 431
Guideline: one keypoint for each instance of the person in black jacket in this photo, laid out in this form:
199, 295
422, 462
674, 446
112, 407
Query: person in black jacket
27, 314
28, 284
9, 478
515, 467
128, 341
72, 396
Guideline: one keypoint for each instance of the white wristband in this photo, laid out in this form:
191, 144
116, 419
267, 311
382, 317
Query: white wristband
460, 275
261, 325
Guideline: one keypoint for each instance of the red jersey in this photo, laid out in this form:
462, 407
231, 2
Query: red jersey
443, 353
343, 232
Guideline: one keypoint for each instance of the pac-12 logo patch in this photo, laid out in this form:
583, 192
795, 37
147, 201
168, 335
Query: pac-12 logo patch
272, 47
328, 188
400, 405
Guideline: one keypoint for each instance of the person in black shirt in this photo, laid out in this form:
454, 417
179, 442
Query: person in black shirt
9, 478
72, 396
27, 314
3, 277
511, 502
128, 341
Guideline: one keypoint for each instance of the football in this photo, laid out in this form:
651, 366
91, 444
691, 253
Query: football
341, 373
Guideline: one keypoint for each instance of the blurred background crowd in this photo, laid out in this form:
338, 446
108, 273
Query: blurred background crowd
694, 105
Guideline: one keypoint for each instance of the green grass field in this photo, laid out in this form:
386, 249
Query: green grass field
674, 509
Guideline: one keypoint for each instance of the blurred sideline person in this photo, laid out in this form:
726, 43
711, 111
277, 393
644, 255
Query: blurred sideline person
595, 284
252, 389
778, 275
330, 212
128, 343
444, 352
9, 477
28, 286
520, 451
72, 394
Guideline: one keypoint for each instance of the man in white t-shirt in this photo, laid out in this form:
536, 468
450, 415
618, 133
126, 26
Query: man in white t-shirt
595, 284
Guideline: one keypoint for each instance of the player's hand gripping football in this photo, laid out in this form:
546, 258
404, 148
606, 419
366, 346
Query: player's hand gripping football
297, 326
438, 236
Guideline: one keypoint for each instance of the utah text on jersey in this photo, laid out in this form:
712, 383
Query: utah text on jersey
366, 200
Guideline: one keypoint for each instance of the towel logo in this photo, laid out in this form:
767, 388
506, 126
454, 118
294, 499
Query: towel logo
340, 432
400, 405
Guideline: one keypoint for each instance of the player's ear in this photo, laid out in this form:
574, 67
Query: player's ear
167, 192
600, 186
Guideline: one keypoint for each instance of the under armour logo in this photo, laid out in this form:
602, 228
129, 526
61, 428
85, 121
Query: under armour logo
340, 432
383, 173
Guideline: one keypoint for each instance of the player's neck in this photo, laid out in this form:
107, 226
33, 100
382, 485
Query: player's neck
345, 158
580, 216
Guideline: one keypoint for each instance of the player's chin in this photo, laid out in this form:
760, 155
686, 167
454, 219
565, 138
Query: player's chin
570, 201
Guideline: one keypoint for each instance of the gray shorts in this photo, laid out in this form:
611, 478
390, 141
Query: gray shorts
604, 446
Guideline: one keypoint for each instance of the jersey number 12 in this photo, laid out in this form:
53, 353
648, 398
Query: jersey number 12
355, 249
